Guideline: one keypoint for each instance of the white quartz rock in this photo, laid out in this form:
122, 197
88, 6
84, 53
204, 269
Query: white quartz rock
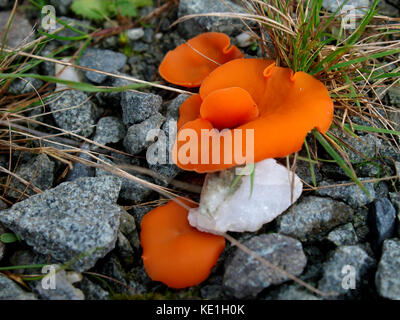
66, 73
222, 209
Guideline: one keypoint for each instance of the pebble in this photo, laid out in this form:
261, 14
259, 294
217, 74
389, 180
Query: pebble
69, 220
313, 217
387, 278
73, 111
382, 219
103, 60
139, 106
246, 277
343, 235
139, 137
346, 261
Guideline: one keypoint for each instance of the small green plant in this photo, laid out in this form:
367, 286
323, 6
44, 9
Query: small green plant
103, 9
9, 238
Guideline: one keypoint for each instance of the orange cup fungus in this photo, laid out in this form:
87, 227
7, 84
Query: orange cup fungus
264, 111
174, 252
191, 62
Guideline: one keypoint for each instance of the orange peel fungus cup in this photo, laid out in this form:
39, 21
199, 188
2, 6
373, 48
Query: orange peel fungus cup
174, 252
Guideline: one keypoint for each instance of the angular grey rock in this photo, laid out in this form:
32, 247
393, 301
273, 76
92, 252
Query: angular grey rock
130, 190
169, 170
139, 106
139, 211
366, 145
303, 170
109, 130
343, 236
75, 218
127, 227
246, 277
103, 60
39, 171
344, 260
20, 32
81, 170
124, 249
137, 139
92, 291
313, 217
26, 85
197, 25
11, 291
64, 289
395, 198
387, 278
79, 114
351, 194
382, 219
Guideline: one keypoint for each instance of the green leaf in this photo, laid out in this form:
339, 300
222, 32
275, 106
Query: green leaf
90, 9
9, 238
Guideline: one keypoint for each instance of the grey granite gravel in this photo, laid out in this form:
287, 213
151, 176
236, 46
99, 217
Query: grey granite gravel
139, 106
137, 139
64, 289
166, 169
343, 235
246, 277
39, 171
79, 114
198, 25
20, 33
11, 291
313, 217
382, 219
109, 130
26, 85
387, 278
343, 261
395, 198
127, 227
130, 190
91, 290
75, 218
351, 194
125, 250
81, 170
101, 59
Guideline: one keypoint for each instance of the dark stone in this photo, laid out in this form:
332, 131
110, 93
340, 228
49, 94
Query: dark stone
103, 60
246, 277
381, 218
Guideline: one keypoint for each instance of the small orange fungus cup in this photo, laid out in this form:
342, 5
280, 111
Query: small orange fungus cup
174, 252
